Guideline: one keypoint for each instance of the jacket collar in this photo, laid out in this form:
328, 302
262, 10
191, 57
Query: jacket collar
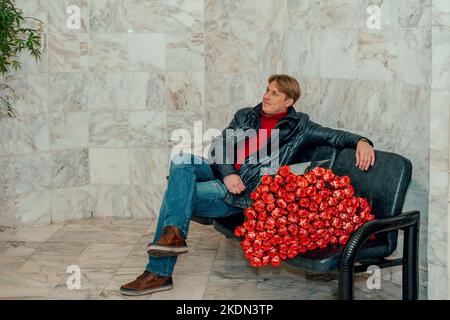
291, 113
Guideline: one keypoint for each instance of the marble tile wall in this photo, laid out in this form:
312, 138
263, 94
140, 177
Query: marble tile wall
96, 113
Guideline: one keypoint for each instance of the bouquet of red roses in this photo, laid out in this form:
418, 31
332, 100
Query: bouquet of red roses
292, 214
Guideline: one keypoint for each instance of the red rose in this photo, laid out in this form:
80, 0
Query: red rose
292, 207
250, 213
310, 177
268, 198
274, 187
281, 203
284, 171
278, 179
266, 179
255, 195
302, 182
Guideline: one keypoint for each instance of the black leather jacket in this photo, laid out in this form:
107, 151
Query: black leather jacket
296, 131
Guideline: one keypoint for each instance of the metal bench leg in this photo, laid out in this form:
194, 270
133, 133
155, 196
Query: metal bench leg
346, 284
410, 271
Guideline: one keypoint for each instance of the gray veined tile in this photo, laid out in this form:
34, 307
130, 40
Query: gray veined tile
102, 161
110, 201
265, 16
147, 52
108, 16
108, 53
440, 11
339, 14
185, 51
67, 92
216, 15
185, 287
70, 168
303, 15
68, 52
108, 128
68, 130
63, 16
99, 255
414, 13
31, 94
234, 288
26, 285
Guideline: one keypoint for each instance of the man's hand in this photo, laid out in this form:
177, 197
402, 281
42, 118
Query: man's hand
234, 183
365, 155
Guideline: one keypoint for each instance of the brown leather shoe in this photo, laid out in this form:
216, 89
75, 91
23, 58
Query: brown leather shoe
171, 243
147, 283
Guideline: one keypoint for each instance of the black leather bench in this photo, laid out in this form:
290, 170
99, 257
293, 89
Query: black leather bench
384, 185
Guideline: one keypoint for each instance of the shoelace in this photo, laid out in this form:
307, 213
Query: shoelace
145, 275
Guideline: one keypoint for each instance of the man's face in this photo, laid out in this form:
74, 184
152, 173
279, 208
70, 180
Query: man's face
275, 101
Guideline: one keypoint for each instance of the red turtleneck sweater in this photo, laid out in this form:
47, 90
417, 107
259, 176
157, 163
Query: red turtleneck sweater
268, 122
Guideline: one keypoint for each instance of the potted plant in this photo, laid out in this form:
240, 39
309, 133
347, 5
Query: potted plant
14, 38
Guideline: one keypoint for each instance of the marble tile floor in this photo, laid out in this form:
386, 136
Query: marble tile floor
111, 252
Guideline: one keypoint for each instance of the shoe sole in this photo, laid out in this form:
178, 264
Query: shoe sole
145, 292
163, 251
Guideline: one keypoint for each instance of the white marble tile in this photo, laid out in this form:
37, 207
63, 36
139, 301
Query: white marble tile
436, 289
303, 15
149, 166
439, 188
70, 204
148, 128
417, 151
217, 52
388, 14
440, 68
216, 15
60, 20
264, 15
108, 128
376, 102
145, 201
185, 91
24, 135
440, 11
184, 15
247, 90
184, 51
108, 16
303, 53
182, 128
30, 233
33, 172
68, 130
30, 96
217, 91
338, 102
108, 52
414, 13
99, 255
309, 100
147, 52
108, 90
109, 201
67, 92
259, 52
341, 14
439, 122
146, 91
146, 16
32, 285
338, 54
33, 208
109, 166
414, 56
377, 56
7, 177
413, 114
68, 52
223, 288
70, 168
437, 236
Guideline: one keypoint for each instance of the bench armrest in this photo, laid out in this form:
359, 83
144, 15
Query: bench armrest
367, 230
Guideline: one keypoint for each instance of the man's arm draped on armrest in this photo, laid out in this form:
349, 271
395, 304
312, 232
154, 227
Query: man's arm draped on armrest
317, 135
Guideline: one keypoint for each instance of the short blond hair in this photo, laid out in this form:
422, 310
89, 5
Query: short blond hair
287, 84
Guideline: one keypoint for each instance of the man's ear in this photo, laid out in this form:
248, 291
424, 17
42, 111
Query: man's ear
289, 102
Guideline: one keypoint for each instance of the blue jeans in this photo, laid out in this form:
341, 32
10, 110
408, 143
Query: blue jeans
192, 189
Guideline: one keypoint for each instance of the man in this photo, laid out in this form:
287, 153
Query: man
221, 187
